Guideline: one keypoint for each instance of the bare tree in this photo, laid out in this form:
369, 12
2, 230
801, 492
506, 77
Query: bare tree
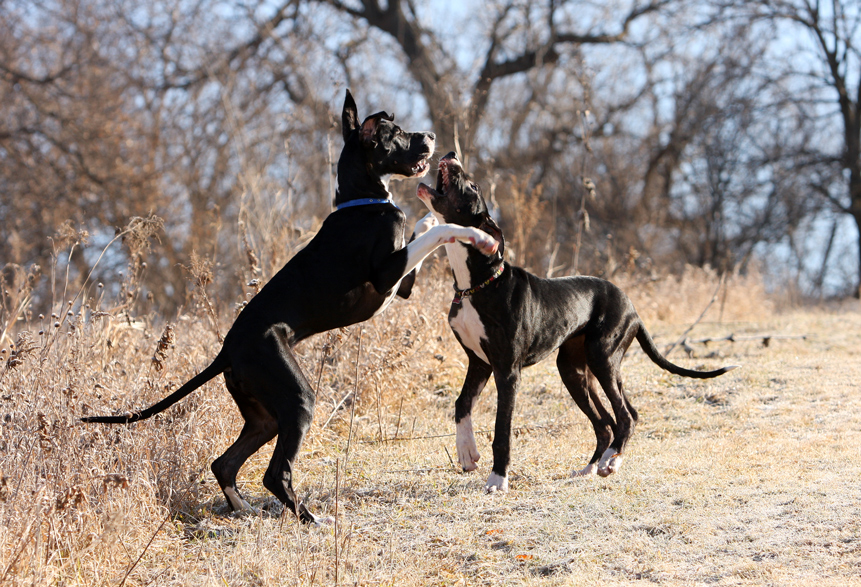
519, 38
825, 72
605, 134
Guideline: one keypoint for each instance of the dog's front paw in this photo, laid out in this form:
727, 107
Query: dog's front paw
610, 462
467, 451
485, 243
496, 484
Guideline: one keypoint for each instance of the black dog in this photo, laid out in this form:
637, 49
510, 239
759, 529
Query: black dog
506, 319
349, 272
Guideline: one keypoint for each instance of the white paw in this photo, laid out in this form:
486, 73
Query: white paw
425, 224
237, 503
323, 522
496, 484
610, 462
485, 243
586, 471
467, 451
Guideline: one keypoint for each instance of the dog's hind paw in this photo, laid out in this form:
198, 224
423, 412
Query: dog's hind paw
323, 522
496, 484
610, 462
237, 503
306, 517
586, 471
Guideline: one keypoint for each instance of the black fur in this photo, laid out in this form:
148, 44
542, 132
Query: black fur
525, 318
347, 273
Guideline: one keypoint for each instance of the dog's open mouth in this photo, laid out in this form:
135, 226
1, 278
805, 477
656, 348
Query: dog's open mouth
421, 168
443, 180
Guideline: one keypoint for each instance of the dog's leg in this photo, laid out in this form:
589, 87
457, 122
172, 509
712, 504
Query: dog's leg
477, 375
389, 270
260, 427
427, 222
581, 384
276, 380
448, 233
506, 389
608, 372
405, 288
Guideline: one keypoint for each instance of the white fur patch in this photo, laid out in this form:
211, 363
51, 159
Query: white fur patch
496, 484
323, 522
610, 462
457, 255
422, 226
237, 503
470, 329
427, 222
438, 235
467, 451
586, 471
389, 299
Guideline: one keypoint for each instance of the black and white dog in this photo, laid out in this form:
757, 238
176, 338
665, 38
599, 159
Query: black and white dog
349, 272
507, 319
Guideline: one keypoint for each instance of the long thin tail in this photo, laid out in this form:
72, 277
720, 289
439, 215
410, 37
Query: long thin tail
218, 365
653, 353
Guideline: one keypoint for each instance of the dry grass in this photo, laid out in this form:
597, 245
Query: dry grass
751, 479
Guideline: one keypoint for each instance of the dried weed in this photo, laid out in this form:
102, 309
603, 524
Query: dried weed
745, 480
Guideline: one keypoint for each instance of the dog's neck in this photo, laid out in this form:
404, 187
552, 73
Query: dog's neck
470, 267
356, 181
366, 187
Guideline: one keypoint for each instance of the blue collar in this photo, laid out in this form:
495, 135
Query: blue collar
364, 202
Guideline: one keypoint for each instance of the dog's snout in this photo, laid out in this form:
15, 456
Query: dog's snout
429, 142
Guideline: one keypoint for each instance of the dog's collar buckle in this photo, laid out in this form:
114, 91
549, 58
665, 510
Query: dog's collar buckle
459, 294
364, 202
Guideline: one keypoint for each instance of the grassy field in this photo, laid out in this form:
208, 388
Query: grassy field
750, 479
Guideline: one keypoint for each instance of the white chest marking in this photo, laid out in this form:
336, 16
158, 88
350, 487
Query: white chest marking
457, 256
469, 328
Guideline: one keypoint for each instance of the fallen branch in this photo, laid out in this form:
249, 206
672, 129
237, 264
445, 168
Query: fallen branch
765, 338
683, 338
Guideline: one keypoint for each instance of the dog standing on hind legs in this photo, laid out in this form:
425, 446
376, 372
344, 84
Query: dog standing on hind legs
350, 271
506, 319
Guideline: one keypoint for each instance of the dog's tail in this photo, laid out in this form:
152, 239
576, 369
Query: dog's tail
653, 353
218, 365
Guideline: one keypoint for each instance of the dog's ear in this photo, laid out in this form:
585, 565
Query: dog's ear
490, 226
369, 127
349, 117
